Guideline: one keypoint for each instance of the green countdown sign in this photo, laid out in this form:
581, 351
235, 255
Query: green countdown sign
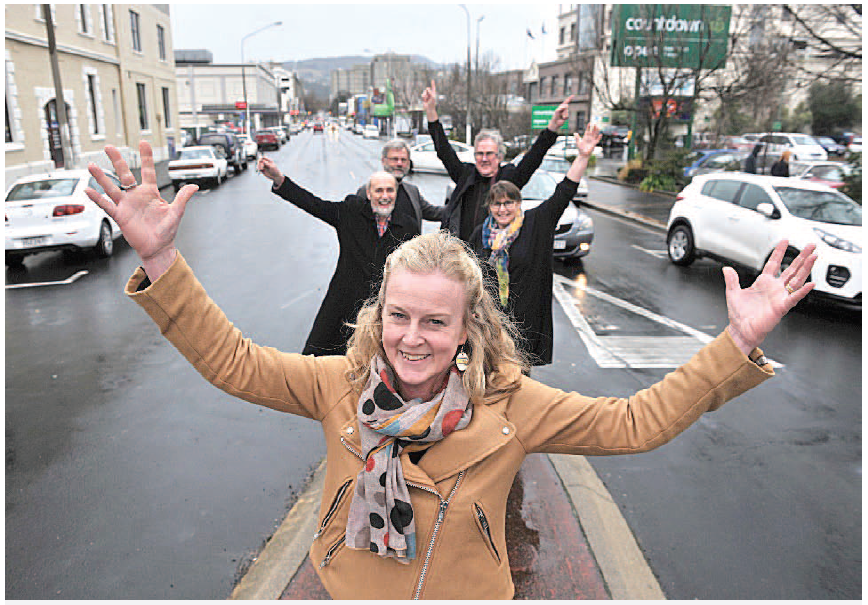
688, 36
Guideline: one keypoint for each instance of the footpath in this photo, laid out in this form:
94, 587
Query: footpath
566, 537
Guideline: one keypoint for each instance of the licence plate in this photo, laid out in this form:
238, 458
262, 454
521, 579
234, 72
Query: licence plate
560, 244
31, 242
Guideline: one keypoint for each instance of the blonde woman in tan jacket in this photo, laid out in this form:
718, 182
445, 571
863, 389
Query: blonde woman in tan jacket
428, 417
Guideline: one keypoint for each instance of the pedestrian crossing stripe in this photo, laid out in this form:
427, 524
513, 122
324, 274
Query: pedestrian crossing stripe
631, 351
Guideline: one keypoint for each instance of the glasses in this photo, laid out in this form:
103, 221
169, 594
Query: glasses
485, 154
505, 204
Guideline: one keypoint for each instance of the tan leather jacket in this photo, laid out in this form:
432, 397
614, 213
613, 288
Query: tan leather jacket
460, 486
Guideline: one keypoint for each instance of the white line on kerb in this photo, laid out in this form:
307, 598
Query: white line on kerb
63, 282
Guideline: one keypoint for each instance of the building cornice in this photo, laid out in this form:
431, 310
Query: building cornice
70, 50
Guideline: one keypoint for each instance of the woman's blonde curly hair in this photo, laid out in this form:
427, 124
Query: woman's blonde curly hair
495, 362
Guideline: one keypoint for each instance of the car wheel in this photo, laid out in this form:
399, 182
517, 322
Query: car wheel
679, 244
105, 244
14, 261
219, 180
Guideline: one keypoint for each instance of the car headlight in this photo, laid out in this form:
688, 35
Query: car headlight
837, 242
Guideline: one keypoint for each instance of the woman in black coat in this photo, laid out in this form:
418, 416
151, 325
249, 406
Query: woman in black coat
515, 251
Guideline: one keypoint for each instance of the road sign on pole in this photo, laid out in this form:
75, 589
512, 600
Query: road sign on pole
541, 115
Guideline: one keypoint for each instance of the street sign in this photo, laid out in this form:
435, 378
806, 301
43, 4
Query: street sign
240, 105
541, 115
689, 36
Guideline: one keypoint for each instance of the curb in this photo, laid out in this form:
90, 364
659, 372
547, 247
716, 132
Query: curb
286, 550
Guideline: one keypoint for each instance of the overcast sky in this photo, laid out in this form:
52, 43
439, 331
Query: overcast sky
435, 31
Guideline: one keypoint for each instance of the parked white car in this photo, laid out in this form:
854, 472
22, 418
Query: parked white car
51, 211
737, 217
371, 132
199, 164
802, 147
249, 145
558, 167
424, 156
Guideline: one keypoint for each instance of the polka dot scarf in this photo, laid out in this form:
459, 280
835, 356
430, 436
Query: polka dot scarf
499, 241
381, 516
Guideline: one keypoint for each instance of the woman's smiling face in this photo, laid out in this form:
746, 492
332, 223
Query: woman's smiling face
423, 326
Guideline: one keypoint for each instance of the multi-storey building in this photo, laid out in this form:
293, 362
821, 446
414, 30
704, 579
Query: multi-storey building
118, 85
213, 94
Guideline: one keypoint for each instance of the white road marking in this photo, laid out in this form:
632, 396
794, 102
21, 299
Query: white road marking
632, 351
64, 282
654, 253
296, 299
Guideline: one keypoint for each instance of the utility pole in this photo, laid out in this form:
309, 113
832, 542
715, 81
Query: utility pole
62, 118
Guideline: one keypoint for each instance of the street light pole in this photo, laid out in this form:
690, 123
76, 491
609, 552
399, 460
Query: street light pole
244, 76
481, 17
467, 125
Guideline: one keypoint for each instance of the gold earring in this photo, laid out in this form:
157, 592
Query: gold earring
462, 360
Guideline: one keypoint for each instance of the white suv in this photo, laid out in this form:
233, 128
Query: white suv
737, 217
802, 148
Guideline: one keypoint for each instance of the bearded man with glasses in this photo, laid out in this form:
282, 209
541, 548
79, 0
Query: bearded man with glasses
466, 207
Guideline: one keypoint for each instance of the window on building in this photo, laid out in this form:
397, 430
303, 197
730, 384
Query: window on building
580, 121
108, 29
554, 86
161, 42
572, 32
167, 115
8, 124
82, 18
116, 105
41, 17
135, 31
143, 106
561, 37
91, 92
542, 87
568, 84
531, 91
583, 84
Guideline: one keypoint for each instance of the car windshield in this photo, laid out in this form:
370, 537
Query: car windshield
541, 186
821, 206
195, 154
36, 190
804, 139
555, 165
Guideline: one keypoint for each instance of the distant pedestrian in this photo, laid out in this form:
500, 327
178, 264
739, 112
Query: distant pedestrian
750, 161
396, 161
428, 418
782, 166
466, 209
515, 249
368, 228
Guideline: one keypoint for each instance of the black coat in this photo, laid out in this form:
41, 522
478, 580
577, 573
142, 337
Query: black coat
408, 193
530, 273
780, 168
465, 175
361, 258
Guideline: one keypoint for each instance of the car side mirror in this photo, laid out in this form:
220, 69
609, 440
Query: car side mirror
768, 210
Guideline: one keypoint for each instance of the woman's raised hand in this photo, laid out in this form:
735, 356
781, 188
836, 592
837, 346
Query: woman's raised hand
755, 311
149, 223
591, 139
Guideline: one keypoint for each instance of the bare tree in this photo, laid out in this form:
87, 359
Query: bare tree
833, 33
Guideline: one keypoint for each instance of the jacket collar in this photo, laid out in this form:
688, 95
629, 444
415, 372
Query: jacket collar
487, 432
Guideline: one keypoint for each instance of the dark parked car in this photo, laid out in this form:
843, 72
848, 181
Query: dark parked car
614, 136
831, 146
267, 139
232, 147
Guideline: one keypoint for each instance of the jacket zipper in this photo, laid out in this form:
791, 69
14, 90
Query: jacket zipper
444, 504
480, 514
440, 515
334, 507
331, 551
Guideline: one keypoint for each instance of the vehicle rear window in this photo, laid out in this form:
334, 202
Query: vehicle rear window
821, 206
725, 190
38, 190
194, 154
